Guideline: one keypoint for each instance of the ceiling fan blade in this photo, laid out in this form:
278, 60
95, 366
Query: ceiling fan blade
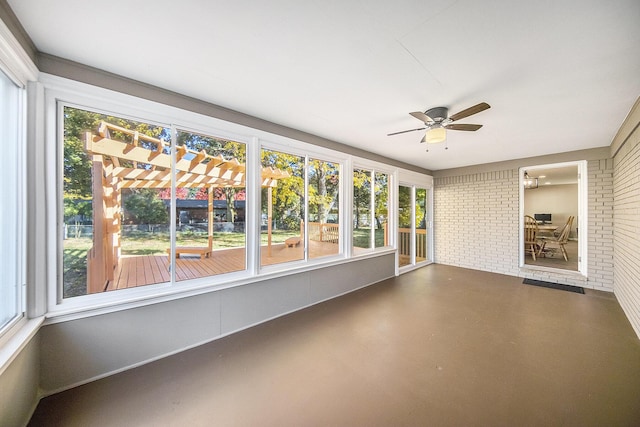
470, 111
463, 126
405, 131
421, 116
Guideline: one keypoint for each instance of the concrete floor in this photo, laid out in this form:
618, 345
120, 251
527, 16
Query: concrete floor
439, 346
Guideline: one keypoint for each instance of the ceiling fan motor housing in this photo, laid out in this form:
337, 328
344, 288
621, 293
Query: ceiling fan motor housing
437, 114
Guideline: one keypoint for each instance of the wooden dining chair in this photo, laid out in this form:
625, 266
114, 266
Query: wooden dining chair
550, 246
531, 243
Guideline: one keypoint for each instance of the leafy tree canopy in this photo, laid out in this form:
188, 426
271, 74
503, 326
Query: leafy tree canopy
144, 206
76, 162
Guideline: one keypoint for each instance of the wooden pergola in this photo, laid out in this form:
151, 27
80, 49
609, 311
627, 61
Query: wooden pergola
145, 162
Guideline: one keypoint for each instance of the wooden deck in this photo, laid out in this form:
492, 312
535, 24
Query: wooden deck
406, 260
144, 270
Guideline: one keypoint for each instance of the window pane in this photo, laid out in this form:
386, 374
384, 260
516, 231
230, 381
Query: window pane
381, 206
282, 212
324, 184
10, 195
211, 206
361, 209
421, 224
116, 223
404, 225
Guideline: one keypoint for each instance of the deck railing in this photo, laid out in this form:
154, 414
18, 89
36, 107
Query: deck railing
404, 242
324, 232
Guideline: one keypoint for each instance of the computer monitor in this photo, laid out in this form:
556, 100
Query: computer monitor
542, 217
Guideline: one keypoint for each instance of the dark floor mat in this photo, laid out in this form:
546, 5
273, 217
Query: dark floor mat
576, 289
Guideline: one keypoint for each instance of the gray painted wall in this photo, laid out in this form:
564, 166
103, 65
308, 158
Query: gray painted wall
78, 351
19, 386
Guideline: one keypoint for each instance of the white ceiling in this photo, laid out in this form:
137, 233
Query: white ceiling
555, 176
559, 75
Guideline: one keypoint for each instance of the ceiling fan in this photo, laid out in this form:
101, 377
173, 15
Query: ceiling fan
436, 122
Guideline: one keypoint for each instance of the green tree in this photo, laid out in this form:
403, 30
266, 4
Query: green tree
361, 193
76, 165
323, 189
421, 207
288, 195
404, 203
228, 149
76, 161
74, 209
381, 199
145, 207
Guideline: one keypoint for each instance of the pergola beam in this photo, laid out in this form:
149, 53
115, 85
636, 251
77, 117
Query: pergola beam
143, 162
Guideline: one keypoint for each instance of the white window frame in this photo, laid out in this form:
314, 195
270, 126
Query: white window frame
375, 167
250, 259
55, 102
57, 89
19, 262
308, 151
16, 64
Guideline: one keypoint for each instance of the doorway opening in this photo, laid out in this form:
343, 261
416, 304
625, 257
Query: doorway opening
553, 213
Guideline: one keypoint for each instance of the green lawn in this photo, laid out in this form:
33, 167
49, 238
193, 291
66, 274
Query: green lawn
361, 237
74, 259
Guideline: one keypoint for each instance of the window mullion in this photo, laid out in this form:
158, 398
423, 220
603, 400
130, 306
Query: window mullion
173, 210
372, 209
306, 208
253, 189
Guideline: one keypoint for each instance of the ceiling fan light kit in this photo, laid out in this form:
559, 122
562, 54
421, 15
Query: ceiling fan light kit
435, 134
437, 121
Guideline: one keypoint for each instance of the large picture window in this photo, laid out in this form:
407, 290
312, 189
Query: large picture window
370, 210
300, 212
116, 220
120, 213
117, 200
11, 195
210, 206
283, 209
154, 206
324, 208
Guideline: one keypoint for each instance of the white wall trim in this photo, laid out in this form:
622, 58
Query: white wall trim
14, 61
